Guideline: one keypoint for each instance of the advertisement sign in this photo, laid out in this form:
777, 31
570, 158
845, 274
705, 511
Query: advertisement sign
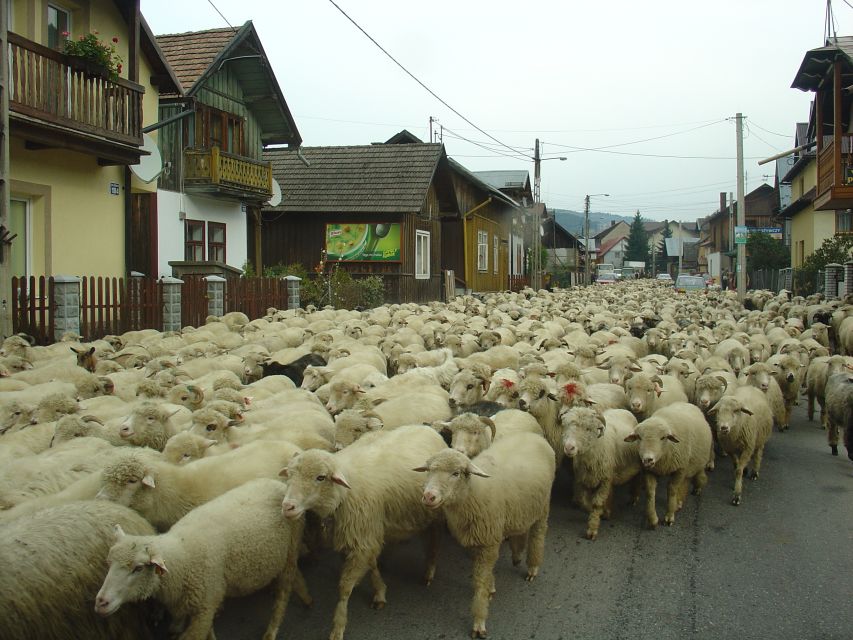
773, 232
741, 234
375, 242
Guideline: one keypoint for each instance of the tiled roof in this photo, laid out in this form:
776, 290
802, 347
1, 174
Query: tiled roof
191, 53
505, 179
382, 178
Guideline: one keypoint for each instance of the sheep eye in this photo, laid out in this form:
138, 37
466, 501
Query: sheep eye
184, 397
133, 481
17, 413
455, 474
542, 393
211, 427
470, 386
138, 568
320, 478
186, 455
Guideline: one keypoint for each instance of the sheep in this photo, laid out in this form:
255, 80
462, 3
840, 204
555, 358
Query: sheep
231, 546
537, 399
786, 370
185, 447
292, 370
148, 425
602, 395
646, 394
86, 358
503, 493
374, 497
470, 433
744, 423
469, 386
820, 369
839, 410
601, 458
188, 395
164, 493
674, 442
351, 424
87, 426
344, 395
53, 561
760, 375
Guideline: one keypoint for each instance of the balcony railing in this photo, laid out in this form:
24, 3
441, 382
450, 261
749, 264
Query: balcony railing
47, 85
835, 173
212, 170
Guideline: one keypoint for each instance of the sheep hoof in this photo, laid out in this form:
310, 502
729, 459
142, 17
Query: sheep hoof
736, 500
478, 632
669, 520
591, 535
377, 604
834, 448
653, 524
516, 562
753, 475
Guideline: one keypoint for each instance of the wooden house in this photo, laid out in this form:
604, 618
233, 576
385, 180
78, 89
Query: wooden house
74, 131
216, 178
515, 183
374, 209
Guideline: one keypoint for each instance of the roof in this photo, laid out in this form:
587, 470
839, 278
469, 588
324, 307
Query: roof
799, 204
816, 63
615, 224
168, 82
385, 178
652, 226
505, 179
196, 56
607, 246
471, 177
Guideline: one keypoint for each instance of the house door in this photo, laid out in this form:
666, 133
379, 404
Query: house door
143, 234
19, 223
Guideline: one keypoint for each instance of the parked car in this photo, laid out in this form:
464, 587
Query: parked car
690, 283
664, 277
606, 278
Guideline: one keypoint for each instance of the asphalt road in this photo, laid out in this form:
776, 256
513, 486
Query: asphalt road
779, 566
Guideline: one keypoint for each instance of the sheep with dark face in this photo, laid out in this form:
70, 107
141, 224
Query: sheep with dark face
839, 410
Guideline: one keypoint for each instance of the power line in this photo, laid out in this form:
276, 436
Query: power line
452, 134
667, 135
638, 128
781, 135
416, 79
210, 2
752, 133
650, 155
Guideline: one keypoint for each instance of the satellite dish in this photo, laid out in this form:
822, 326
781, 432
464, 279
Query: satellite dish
541, 231
151, 166
275, 200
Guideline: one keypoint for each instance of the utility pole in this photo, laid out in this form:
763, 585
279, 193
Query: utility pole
586, 240
5, 177
680, 248
741, 212
536, 239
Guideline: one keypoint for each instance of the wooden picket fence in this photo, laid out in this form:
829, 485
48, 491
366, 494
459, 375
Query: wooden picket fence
32, 312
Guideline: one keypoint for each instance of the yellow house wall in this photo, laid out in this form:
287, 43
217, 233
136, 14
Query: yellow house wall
808, 227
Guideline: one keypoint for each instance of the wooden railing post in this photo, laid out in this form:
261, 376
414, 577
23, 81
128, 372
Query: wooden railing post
214, 165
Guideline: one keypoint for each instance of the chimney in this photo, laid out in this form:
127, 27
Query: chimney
722, 201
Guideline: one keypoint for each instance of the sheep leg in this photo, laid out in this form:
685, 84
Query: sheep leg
756, 462
300, 588
810, 406
740, 462
832, 436
379, 587
636, 487
536, 545
355, 566
200, 626
712, 458
699, 482
674, 496
599, 500
484, 565
431, 539
651, 489
283, 587
517, 544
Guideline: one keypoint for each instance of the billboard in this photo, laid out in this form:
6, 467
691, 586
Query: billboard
373, 242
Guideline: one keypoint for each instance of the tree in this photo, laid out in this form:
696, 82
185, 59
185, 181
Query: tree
637, 246
766, 253
661, 257
837, 249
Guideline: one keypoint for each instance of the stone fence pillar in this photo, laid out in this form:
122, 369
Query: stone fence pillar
171, 303
831, 276
294, 288
215, 295
66, 297
848, 277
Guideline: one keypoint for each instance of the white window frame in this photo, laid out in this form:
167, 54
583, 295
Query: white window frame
496, 253
482, 250
422, 255
28, 224
58, 7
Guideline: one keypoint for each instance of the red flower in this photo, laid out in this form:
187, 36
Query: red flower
115, 39
118, 69
65, 34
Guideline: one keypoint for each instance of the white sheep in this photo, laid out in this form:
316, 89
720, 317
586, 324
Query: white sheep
537, 399
744, 423
373, 495
231, 546
471, 434
601, 458
53, 561
646, 394
674, 442
760, 375
839, 410
505, 492
164, 493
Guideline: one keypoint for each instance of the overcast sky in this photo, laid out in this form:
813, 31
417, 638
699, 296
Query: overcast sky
577, 73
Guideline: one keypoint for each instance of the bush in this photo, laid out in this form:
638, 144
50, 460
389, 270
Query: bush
345, 291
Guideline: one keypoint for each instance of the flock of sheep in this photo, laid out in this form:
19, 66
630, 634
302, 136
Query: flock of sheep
149, 472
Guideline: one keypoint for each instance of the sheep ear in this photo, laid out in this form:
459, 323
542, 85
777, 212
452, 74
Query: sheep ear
283, 473
746, 411
235, 423
474, 470
422, 469
442, 426
338, 478
156, 560
119, 532
148, 481
632, 437
636, 367
208, 443
77, 351
714, 409
358, 389
672, 438
91, 352
486, 384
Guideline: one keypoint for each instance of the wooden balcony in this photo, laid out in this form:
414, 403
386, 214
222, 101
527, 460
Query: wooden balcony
835, 174
214, 172
53, 103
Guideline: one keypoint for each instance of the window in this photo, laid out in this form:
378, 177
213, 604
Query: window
482, 251
496, 243
215, 128
58, 22
19, 223
421, 255
844, 221
216, 241
194, 240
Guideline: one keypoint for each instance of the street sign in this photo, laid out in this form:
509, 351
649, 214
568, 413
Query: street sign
741, 234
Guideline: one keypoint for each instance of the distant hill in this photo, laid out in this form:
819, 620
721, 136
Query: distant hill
572, 221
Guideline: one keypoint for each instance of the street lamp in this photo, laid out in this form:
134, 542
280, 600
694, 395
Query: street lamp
586, 232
